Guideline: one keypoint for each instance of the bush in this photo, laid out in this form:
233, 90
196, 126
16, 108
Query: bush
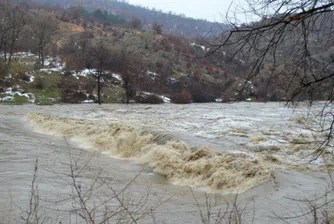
46, 102
23, 76
67, 73
157, 28
40, 83
18, 100
3, 70
70, 96
149, 99
182, 98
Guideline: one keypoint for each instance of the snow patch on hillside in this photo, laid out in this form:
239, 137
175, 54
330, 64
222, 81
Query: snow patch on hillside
9, 95
199, 46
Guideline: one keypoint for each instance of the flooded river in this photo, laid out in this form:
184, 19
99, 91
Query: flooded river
165, 156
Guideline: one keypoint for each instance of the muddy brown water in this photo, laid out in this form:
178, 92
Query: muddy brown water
221, 127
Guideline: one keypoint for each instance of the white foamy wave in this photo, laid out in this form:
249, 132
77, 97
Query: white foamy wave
201, 167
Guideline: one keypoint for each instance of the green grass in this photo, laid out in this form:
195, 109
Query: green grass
19, 68
18, 100
46, 86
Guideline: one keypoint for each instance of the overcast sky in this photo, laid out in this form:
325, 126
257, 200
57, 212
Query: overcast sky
203, 9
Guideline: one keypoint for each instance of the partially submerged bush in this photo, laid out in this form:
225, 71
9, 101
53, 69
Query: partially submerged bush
149, 99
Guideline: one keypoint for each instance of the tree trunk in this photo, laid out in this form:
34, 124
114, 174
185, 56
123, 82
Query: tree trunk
39, 54
11, 51
1, 43
42, 56
127, 92
127, 97
99, 88
5, 50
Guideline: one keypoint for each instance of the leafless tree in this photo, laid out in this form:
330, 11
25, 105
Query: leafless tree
157, 28
296, 38
98, 200
4, 6
100, 60
290, 26
219, 210
17, 21
128, 64
43, 27
34, 213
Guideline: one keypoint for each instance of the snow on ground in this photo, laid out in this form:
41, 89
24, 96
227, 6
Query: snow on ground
88, 101
152, 74
21, 55
24, 54
200, 46
164, 98
7, 99
53, 64
56, 67
172, 80
117, 76
84, 73
9, 95
31, 78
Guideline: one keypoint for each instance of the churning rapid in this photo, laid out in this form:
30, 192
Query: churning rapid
175, 160
255, 148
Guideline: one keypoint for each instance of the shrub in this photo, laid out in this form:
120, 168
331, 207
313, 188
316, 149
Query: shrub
3, 70
67, 73
40, 83
182, 98
70, 96
89, 87
157, 28
149, 99
23, 76
20, 99
136, 23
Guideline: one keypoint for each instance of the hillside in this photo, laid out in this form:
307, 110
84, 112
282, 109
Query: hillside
171, 23
80, 49
166, 65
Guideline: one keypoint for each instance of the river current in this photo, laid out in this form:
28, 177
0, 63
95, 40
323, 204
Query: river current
173, 153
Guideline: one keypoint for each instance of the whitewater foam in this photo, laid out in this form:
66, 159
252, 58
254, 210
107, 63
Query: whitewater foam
201, 167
